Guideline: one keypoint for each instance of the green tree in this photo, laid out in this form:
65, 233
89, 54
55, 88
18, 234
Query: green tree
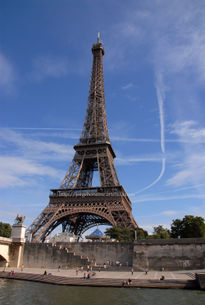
125, 235
189, 226
141, 233
160, 232
176, 228
5, 229
122, 235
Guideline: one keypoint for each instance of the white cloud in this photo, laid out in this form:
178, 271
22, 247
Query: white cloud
14, 171
55, 133
198, 210
189, 132
28, 159
167, 198
128, 86
185, 51
7, 74
169, 213
47, 66
190, 170
137, 159
46, 128
21, 166
73, 133
35, 148
172, 30
150, 140
174, 34
150, 226
128, 139
7, 215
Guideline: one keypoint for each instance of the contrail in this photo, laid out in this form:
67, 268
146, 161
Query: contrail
156, 180
160, 100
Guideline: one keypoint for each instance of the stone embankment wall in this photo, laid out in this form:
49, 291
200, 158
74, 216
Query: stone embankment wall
38, 255
201, 280
170, 254
45, 255
101, 252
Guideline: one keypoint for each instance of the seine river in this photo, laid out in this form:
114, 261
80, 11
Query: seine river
30, 293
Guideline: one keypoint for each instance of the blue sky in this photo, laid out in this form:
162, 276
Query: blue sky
154, 75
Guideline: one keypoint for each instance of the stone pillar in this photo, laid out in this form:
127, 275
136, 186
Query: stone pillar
17, 246
18, 233
200, 277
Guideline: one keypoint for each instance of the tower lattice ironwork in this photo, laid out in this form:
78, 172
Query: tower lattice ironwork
76, 204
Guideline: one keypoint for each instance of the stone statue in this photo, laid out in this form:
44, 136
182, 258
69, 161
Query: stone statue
19, 219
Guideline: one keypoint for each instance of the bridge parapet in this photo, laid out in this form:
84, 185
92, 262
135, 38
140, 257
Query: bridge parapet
5, 244
5, 240
11, 249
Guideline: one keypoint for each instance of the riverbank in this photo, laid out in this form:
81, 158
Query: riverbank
177, 279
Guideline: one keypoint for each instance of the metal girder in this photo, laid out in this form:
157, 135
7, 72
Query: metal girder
95, 126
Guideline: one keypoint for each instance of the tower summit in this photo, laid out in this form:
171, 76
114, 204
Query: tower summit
77, 205
95, 126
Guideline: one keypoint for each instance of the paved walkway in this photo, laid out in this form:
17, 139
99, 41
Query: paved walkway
177, 279
151, 275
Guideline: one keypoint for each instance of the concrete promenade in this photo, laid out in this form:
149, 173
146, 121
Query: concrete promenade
176, 279
151, 275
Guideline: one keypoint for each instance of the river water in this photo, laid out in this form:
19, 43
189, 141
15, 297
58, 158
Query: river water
13, 292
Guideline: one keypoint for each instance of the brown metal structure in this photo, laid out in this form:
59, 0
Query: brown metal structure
76, 204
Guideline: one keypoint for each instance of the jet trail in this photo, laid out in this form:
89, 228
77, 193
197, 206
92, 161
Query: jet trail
160, 100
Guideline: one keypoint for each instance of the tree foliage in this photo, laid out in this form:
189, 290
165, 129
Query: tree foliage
5, 229
125, 235
160, 232
122, 235
189, 226
141, 233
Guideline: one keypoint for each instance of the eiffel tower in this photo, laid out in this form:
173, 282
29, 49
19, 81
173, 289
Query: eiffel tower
76, 205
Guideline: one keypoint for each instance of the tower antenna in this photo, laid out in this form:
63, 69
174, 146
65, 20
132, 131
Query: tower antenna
98, 39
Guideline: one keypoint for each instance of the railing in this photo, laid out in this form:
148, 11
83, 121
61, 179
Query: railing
90, 191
